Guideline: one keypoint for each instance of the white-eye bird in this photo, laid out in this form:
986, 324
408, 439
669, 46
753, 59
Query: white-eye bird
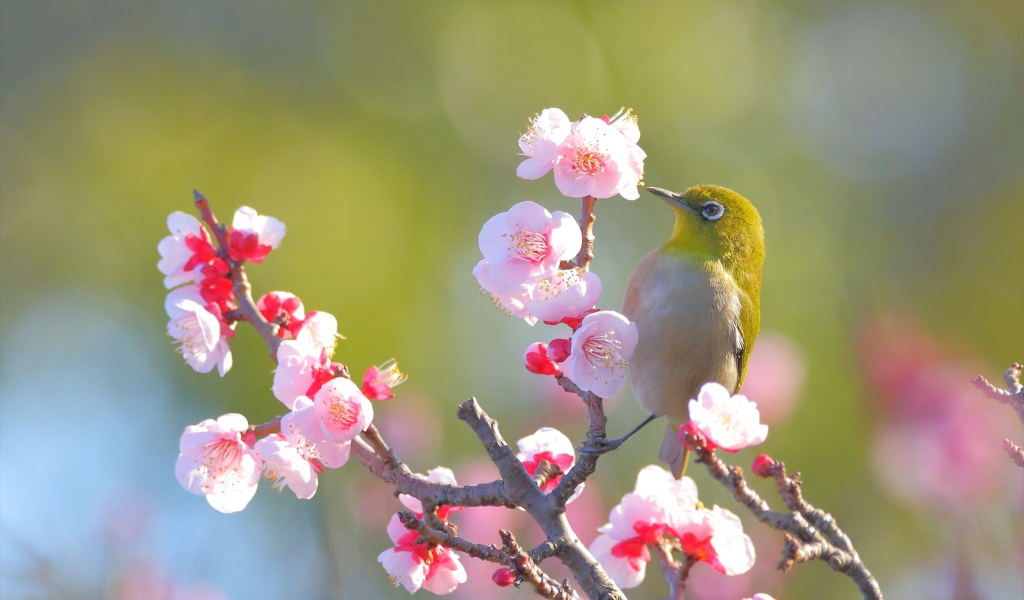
696, 303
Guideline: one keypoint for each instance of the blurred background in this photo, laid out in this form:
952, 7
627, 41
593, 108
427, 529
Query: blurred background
882, 142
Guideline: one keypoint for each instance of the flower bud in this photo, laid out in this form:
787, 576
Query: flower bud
537, 361
689, 429
559, 349
504, 577
764, 466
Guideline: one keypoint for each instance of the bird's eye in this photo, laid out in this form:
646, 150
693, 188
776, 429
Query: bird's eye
712, 211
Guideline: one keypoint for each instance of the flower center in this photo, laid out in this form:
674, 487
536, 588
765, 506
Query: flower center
343, 413
529, 245
221, 456
588, 160
601, 350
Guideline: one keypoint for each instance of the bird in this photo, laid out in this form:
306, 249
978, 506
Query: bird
696, 302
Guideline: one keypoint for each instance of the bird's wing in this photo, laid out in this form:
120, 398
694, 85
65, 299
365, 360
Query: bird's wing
746, 332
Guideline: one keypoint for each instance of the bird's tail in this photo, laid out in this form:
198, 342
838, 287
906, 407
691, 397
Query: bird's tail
672, 452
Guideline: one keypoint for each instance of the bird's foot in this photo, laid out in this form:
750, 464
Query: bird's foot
604, 445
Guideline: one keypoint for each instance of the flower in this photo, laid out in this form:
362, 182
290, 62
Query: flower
548, 444
634, 173
342, 409
540, 142
513, 303
559, 349
600, 348
290, 458
565, 298
638, 520
626, 564
716, 537
524, 245
253, 235
286, 309
321, 329
215, 285
442, 475
187, 247
199, 331
215, 462
504, 577
431, 567
763, 466
302, 369
592, 161
378, 381
653, 480
728, 422
537, 361
761, 597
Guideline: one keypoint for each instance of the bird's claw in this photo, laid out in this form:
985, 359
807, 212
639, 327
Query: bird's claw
600, 445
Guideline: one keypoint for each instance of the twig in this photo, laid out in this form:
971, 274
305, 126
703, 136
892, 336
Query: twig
433, 536
596, 432
544, 551
674, 572
587, 219
545, 471
1012, 395
814, 533
526, 569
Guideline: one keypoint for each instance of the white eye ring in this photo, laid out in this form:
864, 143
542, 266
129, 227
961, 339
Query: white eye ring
712, 211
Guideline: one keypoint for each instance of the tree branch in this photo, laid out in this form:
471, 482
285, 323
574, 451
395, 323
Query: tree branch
587, 219
1012, 395
433, 536
526, 569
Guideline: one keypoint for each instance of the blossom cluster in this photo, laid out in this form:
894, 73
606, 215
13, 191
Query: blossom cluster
222, 459
663, 511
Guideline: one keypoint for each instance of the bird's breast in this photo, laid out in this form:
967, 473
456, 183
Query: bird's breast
687, 315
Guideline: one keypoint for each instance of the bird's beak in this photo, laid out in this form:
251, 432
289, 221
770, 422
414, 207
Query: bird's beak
672, 198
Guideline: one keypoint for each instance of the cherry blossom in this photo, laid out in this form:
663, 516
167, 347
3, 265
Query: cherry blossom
215, 462
716, 537
284, 308
200, 332
187, 247
634, 173
431, 567
512, 303
524, 245
592, 161
540, 142
638, 520
653, 480
728, 422
253, 235
442, 475
378, 381
289, 458
559, 349
215, 285
567, 297
600, 348
302, 369
537, 360
320, 329
550, 444
342, 409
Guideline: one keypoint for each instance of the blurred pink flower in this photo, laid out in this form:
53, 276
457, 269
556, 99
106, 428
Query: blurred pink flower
775, 376
199, 331
708, 584
433, 568
378, 381
414, 428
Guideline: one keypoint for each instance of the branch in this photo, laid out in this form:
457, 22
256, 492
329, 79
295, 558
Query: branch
1012, 395
433, 536
587, 219
814, 533
596, 432
526, 569
675, 573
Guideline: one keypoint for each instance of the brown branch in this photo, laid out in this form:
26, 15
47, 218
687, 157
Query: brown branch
433, 536
674, 572
544, 551
1012, 395
815, 534
525, 568
587, 219
596, 432
545, 471
264, 429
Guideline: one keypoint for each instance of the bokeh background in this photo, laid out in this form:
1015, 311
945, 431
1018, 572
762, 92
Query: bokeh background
882, 142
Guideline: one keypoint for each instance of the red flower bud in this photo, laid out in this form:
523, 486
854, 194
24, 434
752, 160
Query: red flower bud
537, 360
764, 466
558, 350
249, 438
504, 577
690, 429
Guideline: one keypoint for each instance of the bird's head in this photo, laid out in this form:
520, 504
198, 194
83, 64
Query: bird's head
714, 222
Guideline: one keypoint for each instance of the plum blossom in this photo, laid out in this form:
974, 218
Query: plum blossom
567, 297
593, 161
343, 411
302, 369
215, 285
550, 444
253, 235
653, 480
378, 381
541, 141
716, 537
601, 348
431, 567
187, 247
512, 303
442, 475
728, 422
289, 458
537, 360
197, 326
524, 245
320, 329
634, 172
285, 308
217, 463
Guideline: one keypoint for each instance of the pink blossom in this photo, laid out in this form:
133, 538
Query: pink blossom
592, 161
524, 245
537, 360
215, 462
548, 444
716, 537
378, 381
433, 568
200, 332
626, 564
253, 235
775, 376
512, 303
302, 369
289, 458
638, 520
600, 348
634, 173
567, 297
187, 247
320, 329
761, 597
540, 142
653, 480
343, 411
215, 285
442, 475
284, 308
728, 422
559, 349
